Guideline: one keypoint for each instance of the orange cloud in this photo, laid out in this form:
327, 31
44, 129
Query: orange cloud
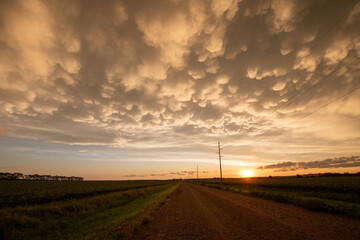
2, 131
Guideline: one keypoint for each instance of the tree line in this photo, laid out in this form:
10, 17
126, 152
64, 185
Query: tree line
36, 177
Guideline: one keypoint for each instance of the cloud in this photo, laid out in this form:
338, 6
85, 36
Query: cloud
341, 162
171, 73
279, 86
178, 173
131, 175
2, 131
82, 151
158, 175
279, 165
185, 173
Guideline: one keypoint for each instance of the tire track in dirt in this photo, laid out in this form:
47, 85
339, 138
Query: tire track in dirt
198, 212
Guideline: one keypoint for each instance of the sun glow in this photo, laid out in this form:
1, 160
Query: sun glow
247, 173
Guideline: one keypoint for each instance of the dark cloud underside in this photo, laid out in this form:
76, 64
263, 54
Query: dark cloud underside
341, 162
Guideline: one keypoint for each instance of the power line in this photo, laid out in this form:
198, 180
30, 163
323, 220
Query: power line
197, 172
336, 23
321, 77
315, 43
318, 109
309, 87
336, 68
327, 104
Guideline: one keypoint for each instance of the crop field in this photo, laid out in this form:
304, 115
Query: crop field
78, 210
20, 193
339, 195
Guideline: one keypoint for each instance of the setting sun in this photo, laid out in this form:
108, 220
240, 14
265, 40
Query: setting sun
247, 173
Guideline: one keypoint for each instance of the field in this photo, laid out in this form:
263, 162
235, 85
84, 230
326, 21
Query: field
20, 193
118, 209
78, 210
338, 195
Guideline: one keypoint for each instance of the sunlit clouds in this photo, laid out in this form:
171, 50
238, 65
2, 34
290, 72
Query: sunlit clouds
162, 81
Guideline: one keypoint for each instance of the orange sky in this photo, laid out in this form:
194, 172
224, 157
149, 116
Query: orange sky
128, 90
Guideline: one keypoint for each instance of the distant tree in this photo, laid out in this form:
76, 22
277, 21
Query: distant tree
18, 176
11, 176
36, 177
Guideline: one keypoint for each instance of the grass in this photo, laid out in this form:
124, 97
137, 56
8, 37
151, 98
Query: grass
113, 215
15, 193
349, 184
336, 195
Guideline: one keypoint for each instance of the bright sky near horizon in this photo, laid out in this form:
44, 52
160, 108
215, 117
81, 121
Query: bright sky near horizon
145, 89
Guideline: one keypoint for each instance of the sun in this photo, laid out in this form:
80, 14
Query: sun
247, 173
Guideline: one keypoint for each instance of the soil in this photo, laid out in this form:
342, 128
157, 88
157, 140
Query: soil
198, 212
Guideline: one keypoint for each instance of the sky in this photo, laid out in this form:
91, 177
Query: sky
146, 89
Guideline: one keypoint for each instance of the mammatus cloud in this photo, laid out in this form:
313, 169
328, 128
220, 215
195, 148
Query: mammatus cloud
175, 73
341, 162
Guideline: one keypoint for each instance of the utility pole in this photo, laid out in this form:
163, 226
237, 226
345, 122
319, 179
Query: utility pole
220, 161
197, 172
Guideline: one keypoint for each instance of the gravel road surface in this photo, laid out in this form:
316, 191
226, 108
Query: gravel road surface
198, 212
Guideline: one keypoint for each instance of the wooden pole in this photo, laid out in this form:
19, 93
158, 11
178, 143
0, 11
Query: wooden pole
220, 161
197, 172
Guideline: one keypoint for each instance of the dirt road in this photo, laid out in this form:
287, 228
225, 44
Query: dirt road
197, 212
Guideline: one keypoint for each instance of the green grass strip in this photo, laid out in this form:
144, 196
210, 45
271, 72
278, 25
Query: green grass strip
107, 216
